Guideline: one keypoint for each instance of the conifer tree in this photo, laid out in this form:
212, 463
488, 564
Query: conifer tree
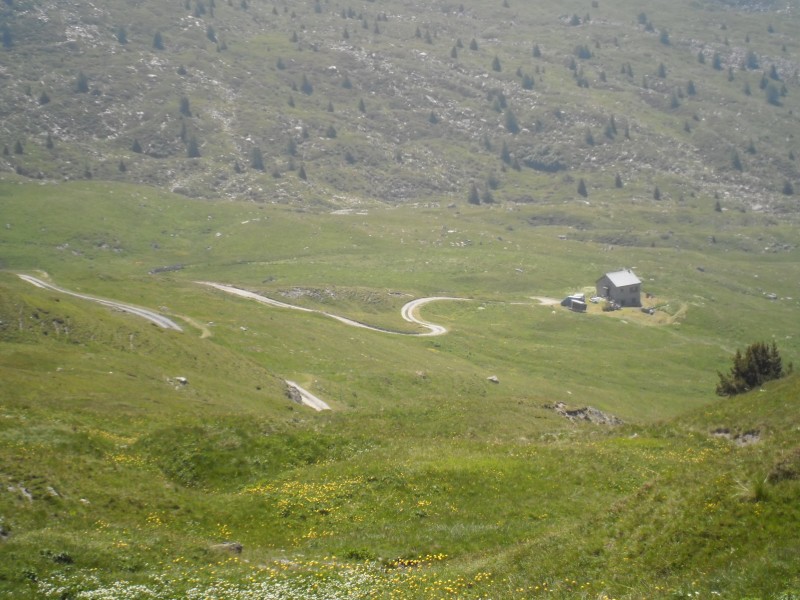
306, 87
474, 196
256, 159
185, 109
193, 148
736, 162
582, 188
505, 154
527, 82
511, 123
82, 83
760, 363
773, 94
7, 38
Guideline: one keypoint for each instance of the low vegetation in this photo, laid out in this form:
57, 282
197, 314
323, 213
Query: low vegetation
141, 462
348, 159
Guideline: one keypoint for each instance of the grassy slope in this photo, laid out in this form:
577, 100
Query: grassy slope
421, 457
477, 488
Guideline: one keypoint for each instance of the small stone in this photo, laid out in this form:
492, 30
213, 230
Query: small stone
232, 547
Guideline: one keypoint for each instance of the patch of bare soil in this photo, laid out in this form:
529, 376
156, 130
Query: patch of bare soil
545, 301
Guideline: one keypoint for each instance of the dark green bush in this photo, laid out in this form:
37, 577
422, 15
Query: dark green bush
760, 363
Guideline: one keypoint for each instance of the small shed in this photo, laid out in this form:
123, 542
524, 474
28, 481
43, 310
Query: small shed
621, 287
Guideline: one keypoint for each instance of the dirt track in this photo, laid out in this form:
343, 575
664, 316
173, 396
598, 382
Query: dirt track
145, 313
407, 312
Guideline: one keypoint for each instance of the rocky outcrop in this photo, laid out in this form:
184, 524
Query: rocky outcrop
587, 413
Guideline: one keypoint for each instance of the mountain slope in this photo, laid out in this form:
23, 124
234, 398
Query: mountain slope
388, 101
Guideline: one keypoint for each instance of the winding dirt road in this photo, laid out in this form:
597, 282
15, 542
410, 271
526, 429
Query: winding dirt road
408, 312
144, 313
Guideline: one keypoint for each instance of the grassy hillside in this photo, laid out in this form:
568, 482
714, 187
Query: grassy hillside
351, 158
425, 479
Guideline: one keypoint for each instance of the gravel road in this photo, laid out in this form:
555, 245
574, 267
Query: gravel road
145, 313
408, 311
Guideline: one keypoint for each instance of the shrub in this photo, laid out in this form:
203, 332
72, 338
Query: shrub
759, 363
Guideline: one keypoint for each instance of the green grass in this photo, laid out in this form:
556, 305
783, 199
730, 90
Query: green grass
478, 488
425, 480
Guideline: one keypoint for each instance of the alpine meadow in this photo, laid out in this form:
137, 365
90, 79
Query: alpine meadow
393, 299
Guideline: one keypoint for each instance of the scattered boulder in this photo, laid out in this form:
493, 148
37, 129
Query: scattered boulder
740, 439
747, 438
493, 379
232, 547
587, 413
294, 394
23, 491
165, 269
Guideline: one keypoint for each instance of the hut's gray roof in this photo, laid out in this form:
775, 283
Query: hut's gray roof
623, 278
